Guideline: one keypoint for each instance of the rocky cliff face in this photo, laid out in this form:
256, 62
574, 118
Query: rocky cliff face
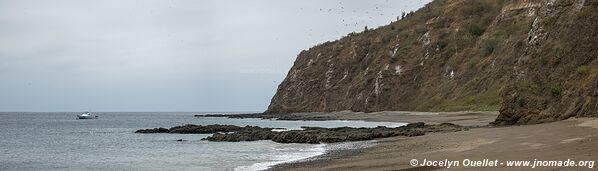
535, 60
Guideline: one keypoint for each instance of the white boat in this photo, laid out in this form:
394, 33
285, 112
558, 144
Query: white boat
87, 115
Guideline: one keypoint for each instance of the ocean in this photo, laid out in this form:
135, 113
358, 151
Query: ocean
59, 141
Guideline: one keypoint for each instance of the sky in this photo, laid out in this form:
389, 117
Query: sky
165, 55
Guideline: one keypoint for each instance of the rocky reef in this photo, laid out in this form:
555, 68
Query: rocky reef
231, 133
200, 129
534, 60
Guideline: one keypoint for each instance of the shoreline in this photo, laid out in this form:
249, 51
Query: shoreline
329, 154
319, 149
469, 118
574, 138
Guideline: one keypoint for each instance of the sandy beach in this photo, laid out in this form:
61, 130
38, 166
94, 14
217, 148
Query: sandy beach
573, 139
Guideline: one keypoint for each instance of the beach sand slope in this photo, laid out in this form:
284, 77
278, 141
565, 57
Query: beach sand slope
574, 139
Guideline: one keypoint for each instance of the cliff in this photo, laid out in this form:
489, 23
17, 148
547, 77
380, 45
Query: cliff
534, 60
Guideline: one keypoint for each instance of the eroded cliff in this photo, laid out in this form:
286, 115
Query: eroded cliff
534, 60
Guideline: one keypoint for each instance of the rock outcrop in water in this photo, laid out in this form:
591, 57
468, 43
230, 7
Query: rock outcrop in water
535, 60
200, 129
232, 133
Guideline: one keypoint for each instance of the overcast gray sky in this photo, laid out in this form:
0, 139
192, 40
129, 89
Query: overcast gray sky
165, 55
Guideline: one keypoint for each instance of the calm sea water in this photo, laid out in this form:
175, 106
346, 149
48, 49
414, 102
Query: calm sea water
59, 141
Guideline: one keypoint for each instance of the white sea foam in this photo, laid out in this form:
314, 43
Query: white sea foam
280, 130
287, 155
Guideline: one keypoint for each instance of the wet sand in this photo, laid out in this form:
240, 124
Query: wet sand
574, 139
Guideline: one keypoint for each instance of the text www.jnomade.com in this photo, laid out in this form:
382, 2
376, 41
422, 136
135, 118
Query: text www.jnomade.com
508, 163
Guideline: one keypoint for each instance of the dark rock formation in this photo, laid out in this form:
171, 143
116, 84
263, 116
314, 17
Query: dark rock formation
415, 125
243, 135
153, 130
231, 133
200, 129
330, 135
535, 60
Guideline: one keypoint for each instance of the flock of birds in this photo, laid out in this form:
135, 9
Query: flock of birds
364, 15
